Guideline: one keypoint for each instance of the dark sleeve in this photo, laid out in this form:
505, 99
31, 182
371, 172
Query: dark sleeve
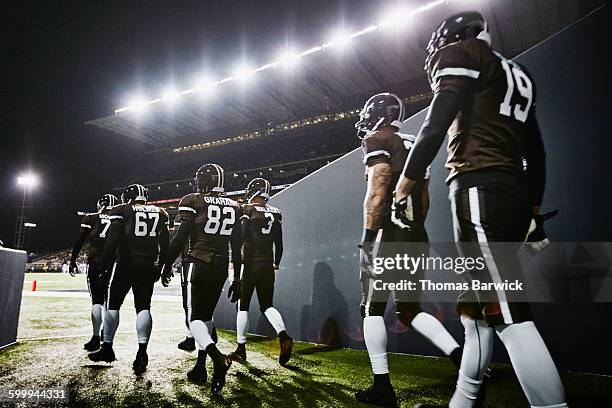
244, 222
236, 245
163, 239
178, 242
113, 236
277, 238
83, 235
376, 149
456, 67
536, 160
442, 112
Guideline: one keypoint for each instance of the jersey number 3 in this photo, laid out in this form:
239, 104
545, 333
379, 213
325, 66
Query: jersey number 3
515, 75
215, 220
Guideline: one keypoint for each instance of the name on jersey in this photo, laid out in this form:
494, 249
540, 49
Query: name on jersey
219, 201
145, 208
259, 208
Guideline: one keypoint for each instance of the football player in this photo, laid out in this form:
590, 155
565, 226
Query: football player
262, 235
139, 233
209, 223
488, 102
384, 153
94, 227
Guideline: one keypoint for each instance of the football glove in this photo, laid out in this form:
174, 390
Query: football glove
73, 269
234, 291
536, 237
366, 260
402, 213
166, 275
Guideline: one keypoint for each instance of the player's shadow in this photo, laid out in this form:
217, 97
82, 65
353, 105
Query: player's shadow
324, 321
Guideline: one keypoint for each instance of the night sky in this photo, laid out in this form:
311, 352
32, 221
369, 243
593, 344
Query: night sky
68, 62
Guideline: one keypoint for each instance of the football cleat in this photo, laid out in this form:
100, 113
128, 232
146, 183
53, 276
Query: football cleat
240, 353
105, 353
188, 344
198, 373
140, 363
93, 344
221, 365
286, 346
382, 396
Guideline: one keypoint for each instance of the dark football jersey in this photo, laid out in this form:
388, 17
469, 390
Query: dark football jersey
97, 225
497, 96
213, 223
142, 226
387, 146
258, 242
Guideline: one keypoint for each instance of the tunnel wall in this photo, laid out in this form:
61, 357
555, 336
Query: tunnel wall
12, 269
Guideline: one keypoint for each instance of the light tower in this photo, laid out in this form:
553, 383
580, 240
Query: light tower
27, 181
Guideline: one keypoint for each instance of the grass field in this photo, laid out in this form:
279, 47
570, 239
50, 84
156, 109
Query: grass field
52, 330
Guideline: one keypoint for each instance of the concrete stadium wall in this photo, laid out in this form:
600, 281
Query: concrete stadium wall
12, 270
318, 287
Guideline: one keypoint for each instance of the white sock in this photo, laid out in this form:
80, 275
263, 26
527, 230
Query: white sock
188, 334
375, 336
97, 311
431, 328
275, 319
111, 322
465, 393
474, 362
200, 333
242, 326
144, 323
532, 364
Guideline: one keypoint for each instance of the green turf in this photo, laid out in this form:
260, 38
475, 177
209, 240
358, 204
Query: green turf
316, 376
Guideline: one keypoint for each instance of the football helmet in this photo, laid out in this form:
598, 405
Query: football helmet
134, 192
209, 178
258, 187
381, 109
461, 26
107, 200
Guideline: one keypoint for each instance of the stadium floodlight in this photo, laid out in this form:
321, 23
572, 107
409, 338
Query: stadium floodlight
138, 104
394, 18
289, 58
170, 96
28, 180
244, 73
340, 39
